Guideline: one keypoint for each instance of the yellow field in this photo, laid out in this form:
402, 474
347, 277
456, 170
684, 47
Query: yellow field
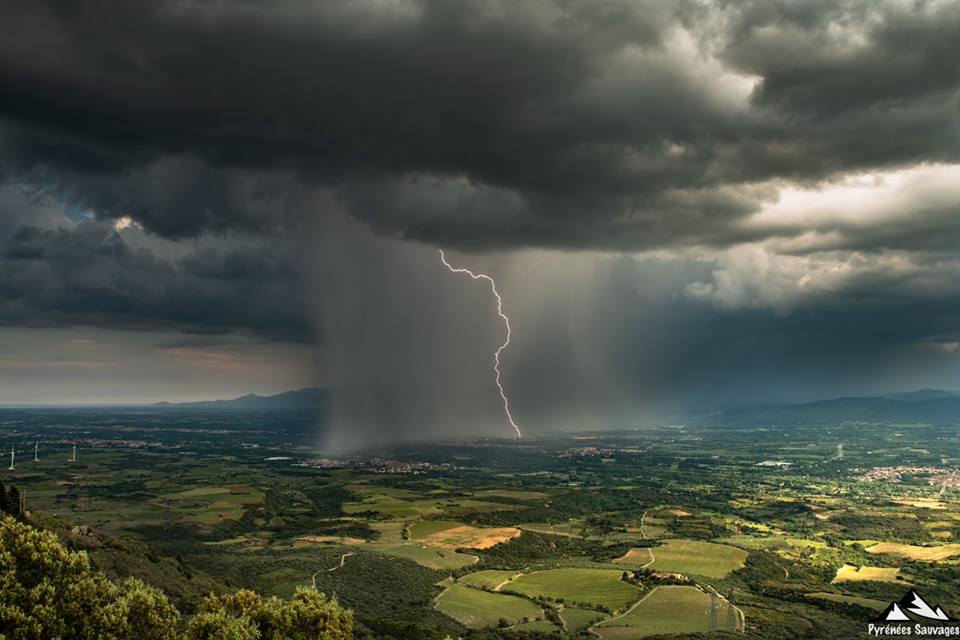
470, 537
637, 557
922, 503
850, 573
916, 552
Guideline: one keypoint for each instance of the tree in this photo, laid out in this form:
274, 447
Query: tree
4, 508
49, 591
244, 614
142, 612
221, 625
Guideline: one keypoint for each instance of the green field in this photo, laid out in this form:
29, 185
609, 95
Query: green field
476, 609
575, 618
391, 507
868, 603
489, 579
430, 557
773, 542
273, 526
590, 586
512, 494
671, 609
423, 528
405, 505
653, 531
697, 558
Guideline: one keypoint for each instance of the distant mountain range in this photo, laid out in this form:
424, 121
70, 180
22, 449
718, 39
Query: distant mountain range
924, 405
308, 398
920, 394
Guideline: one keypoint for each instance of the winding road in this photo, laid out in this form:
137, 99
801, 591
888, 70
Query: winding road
343, 559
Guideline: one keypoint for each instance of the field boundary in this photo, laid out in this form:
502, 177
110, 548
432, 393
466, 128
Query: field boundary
507, 581
740, 626
653, 558
628, 609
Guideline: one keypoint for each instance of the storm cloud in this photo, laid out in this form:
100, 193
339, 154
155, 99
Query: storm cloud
54, 273
773, 184
476, 124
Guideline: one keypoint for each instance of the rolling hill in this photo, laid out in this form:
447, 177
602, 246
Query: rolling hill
917, 407
307, 398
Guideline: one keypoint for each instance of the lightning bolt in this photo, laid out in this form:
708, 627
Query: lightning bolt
506, 342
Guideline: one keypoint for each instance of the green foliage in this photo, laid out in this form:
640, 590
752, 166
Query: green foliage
531, 547
120, 557
873, 527
568, 505
245, 615
222, 625
48, 591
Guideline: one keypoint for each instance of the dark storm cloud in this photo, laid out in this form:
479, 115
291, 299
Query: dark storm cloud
827, 58
89, 275
787, 173
475, 124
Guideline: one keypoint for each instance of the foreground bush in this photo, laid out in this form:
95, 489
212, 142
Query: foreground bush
48, 592
244, 615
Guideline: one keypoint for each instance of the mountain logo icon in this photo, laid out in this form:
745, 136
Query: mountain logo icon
913, 606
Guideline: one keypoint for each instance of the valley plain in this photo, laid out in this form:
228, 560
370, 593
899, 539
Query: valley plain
761, 531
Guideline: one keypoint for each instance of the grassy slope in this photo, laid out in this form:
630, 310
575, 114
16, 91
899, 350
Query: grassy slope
698, 558
122, 557
671, 609
476, 609
591, 586
575, 618
490, 578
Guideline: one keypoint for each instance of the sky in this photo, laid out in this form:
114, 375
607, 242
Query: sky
684, 205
